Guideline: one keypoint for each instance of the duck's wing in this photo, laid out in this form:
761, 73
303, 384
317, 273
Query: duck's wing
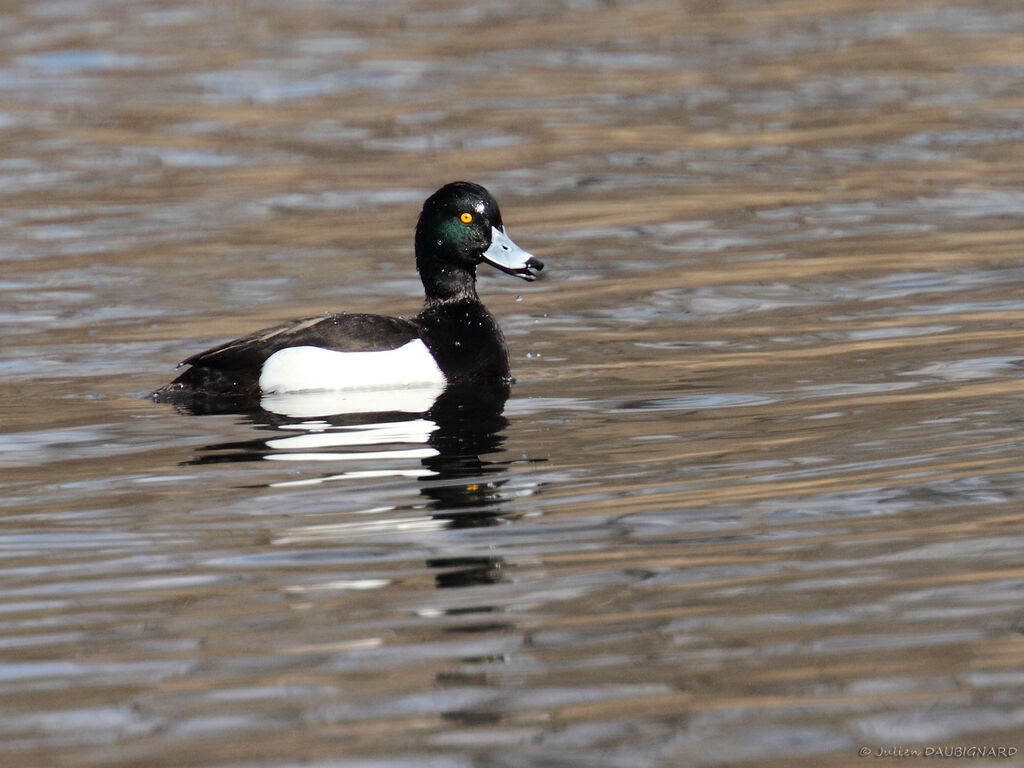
233, 369
339, 332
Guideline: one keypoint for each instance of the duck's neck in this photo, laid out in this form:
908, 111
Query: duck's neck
444, 285
445, 277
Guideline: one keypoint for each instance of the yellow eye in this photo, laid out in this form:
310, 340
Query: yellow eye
466, 218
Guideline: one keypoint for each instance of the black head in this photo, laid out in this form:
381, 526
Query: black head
459, 228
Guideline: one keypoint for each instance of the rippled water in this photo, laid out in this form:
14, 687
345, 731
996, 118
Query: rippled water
754, 499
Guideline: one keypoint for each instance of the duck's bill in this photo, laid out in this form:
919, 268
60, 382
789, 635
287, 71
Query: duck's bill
509, 257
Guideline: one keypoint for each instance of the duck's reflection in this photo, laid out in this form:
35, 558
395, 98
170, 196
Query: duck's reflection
453, 448
442, 442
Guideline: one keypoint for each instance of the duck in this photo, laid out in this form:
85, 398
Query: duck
453, 340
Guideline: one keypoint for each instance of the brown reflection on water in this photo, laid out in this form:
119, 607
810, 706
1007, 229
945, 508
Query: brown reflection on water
754, 498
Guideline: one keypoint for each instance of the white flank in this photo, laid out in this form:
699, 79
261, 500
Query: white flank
313, 369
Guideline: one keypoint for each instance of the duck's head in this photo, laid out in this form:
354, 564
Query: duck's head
459, 228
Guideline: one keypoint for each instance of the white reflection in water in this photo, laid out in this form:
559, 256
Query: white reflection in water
310, 404
305, 534
344, 584
412, 453
367, 474
415, 431
321, 435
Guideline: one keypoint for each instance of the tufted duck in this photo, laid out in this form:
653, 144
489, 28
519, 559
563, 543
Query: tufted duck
454, 339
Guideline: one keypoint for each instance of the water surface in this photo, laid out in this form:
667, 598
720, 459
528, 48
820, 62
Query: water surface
753, 499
